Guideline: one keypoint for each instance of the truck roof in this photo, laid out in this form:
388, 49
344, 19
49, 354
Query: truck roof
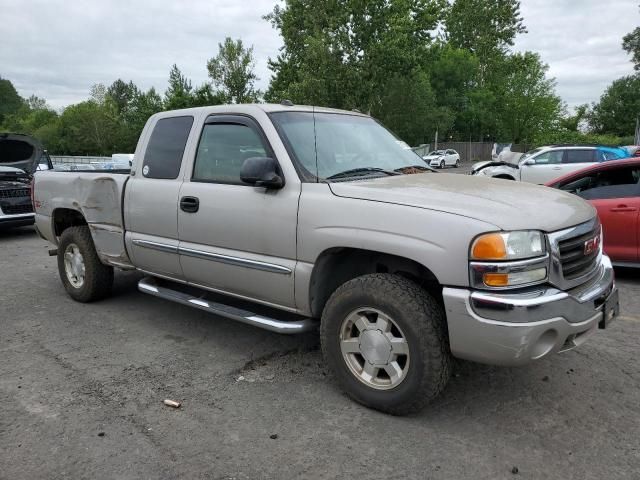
248, 108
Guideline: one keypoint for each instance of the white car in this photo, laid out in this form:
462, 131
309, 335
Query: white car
443, 158
544, 164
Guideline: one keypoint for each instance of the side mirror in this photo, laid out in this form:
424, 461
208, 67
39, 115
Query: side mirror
529, 161
261, 172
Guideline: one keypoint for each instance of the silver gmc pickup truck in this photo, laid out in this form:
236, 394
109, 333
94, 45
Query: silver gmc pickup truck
291, 218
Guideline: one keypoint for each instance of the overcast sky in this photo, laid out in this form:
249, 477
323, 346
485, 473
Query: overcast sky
57, 49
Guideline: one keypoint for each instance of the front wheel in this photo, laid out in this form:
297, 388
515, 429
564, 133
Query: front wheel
84, 276
384, 339
457, 163
442, 164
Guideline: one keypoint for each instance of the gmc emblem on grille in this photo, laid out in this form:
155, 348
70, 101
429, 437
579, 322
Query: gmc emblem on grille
591, 245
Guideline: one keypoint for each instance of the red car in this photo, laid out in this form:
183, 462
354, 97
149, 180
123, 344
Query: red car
614, 189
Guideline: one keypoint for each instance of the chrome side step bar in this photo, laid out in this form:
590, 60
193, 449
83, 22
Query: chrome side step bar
153, 287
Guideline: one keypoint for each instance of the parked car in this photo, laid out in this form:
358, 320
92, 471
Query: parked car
544, 164
443, 158
20, 157
290, 217
613, 188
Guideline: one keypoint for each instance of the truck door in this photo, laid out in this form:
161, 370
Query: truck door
151, 199
236, 238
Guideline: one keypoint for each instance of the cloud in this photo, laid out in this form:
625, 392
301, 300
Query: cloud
57, 49
581, 41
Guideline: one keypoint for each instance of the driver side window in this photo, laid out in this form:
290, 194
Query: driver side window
618, 183
550, 157
222, 150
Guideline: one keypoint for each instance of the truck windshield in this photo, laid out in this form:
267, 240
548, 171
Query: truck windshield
332, 145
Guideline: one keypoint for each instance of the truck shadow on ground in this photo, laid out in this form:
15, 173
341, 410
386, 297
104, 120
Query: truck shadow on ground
266, 357
13, 234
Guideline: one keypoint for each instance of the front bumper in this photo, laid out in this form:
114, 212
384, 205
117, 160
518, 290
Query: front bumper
10, 221
516, 328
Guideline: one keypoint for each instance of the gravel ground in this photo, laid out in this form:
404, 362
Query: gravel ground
82, 386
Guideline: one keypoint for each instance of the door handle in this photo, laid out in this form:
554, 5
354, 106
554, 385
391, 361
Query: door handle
623, 208
189, 204
556, 168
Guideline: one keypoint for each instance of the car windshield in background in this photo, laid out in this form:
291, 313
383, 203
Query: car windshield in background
437, 152
330, 145
530, 153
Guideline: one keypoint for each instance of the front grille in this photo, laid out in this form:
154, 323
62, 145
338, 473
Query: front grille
18, 192
16, 209
573, 260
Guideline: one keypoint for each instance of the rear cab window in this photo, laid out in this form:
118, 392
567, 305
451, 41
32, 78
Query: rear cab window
163, 155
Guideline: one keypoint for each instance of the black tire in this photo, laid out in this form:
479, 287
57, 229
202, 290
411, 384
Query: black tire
422, 321
98, 278
442, 164
457, 164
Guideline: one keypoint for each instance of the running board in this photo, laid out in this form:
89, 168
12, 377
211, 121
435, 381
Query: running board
153, 287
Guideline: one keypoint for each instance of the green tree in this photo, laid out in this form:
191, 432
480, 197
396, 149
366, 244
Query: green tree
631, 44
122, 95
204, 96
98, 93
36, 103
487, 29
412, 93
527, 103
88, 128
353, 54
179, 93
571, 123
232, 72
618, 108
10, 101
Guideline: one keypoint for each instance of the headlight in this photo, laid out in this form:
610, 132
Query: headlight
508, 259
508, 245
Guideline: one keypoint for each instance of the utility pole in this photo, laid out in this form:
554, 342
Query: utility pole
436, 140
637, 139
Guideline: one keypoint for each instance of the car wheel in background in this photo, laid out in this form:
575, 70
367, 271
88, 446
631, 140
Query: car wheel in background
442, 163
457, 163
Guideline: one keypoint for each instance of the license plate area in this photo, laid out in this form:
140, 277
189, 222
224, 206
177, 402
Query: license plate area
610, 309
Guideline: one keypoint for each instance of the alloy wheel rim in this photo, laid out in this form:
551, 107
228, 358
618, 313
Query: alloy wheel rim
374, 348
74, 266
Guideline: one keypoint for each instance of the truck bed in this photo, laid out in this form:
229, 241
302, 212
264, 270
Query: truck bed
97, 196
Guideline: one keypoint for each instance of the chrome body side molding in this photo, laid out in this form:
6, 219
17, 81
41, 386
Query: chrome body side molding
215, 257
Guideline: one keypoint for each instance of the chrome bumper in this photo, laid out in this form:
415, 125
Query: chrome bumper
17, 220
516, 328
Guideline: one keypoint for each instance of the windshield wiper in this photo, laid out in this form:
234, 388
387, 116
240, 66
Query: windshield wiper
361, 171
423, 168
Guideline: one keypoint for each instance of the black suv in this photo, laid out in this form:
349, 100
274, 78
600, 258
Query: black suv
20, 157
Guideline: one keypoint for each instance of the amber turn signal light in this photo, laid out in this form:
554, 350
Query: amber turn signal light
489, 247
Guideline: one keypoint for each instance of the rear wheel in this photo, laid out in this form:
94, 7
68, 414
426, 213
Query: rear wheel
84, 276
384, 339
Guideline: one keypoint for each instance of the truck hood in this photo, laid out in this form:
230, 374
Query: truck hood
507, 205
19, 151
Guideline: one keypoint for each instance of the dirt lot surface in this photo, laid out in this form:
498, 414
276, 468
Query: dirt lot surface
82, 390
